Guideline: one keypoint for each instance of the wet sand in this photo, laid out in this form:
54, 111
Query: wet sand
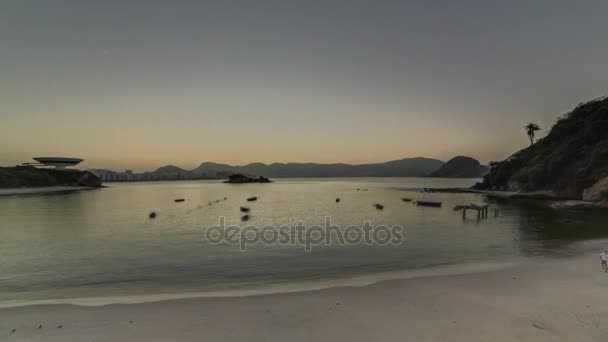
536, 300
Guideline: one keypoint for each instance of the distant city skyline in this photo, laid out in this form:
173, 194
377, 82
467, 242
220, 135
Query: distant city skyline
138, 85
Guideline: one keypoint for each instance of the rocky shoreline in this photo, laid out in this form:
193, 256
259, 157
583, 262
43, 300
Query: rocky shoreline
28, 179
557, 202
43, 190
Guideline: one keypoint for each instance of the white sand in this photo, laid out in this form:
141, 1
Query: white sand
540, 300
39, 190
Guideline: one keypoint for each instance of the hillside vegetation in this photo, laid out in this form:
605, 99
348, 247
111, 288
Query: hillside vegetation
29, 177
570, 162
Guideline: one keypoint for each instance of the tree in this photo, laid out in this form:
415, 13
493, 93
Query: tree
531, 128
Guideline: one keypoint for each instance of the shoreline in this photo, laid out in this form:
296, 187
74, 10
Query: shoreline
558, 202
540, 299
305, 286
43, 190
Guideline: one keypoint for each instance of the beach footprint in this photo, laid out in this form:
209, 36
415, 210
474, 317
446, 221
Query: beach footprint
540, 324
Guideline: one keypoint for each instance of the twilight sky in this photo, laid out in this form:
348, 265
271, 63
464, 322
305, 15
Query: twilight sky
140, 84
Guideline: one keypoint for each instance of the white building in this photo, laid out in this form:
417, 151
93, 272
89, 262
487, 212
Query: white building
58, 162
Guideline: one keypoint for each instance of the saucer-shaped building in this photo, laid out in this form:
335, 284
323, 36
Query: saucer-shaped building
58, 162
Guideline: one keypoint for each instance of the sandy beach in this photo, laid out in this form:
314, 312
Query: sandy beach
535, 300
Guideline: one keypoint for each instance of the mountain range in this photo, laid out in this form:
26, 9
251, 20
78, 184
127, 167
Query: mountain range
406, 167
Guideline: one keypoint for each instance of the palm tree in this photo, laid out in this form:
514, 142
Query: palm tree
530, 129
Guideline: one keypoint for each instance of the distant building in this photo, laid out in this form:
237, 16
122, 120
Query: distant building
56, 162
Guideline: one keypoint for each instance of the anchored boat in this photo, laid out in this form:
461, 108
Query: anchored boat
428, 204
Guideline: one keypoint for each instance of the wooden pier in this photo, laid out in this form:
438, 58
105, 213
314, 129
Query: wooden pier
482, 210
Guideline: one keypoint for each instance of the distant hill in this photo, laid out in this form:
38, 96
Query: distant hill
461, 167
570, 162
170, 169
408, 167
169, 172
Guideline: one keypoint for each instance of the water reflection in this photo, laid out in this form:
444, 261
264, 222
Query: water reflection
102, 242
542, 230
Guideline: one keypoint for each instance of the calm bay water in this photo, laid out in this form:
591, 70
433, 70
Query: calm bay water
102, 243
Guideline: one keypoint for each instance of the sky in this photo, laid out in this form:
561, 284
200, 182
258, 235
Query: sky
141, 84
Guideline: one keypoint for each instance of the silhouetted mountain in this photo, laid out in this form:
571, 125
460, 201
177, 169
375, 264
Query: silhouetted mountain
461, 167
213, 168
169, 172
570, 162
408, 167
170, 169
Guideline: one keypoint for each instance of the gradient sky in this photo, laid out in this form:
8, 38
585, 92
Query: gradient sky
140, 84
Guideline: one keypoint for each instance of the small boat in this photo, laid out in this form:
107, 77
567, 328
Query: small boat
337, 200
378, 206
254, 198
178, 200
152, 215
428, 204
245, 217
405, 199
245, 209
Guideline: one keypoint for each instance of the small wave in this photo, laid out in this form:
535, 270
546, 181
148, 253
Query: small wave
355, 281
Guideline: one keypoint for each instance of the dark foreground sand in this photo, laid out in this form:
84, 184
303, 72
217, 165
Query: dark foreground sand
537, 300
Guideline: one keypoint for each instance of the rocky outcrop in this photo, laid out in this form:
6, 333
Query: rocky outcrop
597, 192
240, 178
29, 177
